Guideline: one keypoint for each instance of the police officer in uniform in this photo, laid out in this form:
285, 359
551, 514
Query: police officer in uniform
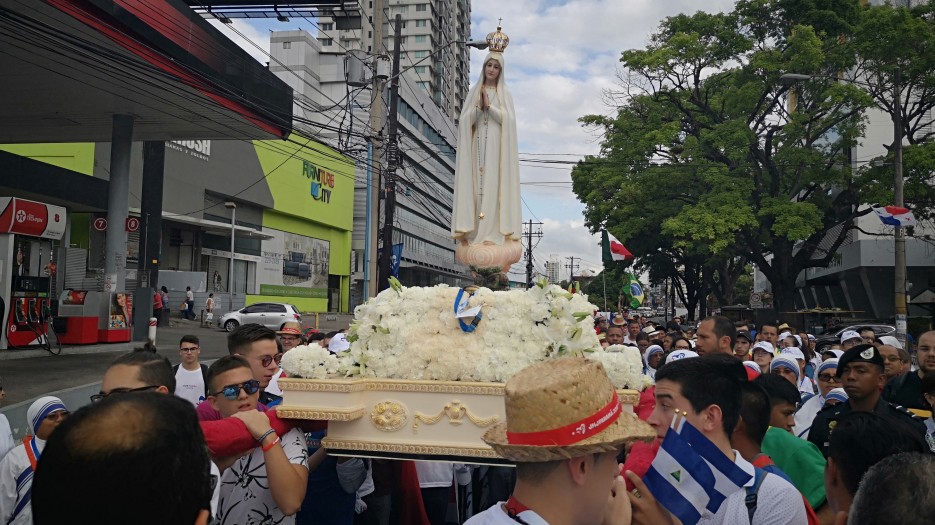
861, 373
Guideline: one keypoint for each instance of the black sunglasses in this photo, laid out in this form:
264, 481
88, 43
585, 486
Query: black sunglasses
97, 397
233, 391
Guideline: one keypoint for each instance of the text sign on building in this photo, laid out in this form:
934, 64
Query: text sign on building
32, 218
322, 181
200, 149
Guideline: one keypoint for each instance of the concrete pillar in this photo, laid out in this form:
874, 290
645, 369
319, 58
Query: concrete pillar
118, 205
7, 258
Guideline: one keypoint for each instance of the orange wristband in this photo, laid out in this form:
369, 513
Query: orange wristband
266, 448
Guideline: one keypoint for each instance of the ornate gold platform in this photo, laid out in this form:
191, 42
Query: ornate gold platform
404, 419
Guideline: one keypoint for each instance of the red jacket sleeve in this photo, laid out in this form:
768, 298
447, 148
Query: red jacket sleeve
229, 436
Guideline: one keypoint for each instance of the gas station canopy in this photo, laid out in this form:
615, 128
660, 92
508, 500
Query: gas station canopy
70, 65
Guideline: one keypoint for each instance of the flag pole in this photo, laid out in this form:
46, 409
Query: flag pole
604, 274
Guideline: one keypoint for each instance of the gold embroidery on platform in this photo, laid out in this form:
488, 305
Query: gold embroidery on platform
456, 411
389, 416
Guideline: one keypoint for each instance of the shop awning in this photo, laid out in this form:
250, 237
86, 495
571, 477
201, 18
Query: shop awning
212, 227
70, 65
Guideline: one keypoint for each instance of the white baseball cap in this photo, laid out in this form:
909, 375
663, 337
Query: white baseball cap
764, 346
792, 352
681, 354
891, 341
847, 335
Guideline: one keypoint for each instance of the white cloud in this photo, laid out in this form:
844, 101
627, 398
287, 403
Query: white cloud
251, 36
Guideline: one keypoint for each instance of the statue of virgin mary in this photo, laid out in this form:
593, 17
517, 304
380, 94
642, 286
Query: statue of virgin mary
486, 215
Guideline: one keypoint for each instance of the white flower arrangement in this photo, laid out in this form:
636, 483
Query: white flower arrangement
311, 362
412, 333
623, 365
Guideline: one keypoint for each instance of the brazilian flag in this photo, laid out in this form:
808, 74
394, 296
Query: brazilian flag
632, 290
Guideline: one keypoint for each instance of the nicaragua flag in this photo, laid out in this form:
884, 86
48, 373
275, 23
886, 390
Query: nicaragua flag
612, 249
895, 216
684, 481
728, 477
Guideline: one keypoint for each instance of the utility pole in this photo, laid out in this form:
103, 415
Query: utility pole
392, 158
529, 233
572, 266
374, 170
899, 269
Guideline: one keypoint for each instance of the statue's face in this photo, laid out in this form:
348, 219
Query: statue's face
492, 71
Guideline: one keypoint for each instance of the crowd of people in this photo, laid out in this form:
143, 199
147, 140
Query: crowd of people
841, 436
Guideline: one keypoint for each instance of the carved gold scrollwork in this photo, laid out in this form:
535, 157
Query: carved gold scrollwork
389, 416
456, 412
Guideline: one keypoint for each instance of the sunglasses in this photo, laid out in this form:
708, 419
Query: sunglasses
828, 378
97, 397
233, 391
267, 360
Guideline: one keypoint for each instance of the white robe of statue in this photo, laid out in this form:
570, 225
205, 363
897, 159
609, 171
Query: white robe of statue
486, 193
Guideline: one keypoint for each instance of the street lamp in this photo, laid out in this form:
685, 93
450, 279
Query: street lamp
901, 309
232, 206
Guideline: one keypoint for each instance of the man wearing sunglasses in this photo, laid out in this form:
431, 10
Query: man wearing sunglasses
267, 485
258, 346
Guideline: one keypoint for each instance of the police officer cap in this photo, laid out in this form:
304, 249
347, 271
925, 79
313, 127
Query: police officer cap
859, 354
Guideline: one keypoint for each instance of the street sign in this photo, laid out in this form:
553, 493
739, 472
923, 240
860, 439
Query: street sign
756, 300
132, 224
100, 224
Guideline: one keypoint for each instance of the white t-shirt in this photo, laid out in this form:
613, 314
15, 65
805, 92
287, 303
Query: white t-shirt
778, 502
245, 495
497, 516
190, 385
189, 296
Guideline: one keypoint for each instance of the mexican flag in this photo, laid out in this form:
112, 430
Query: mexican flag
613, 250
633, 291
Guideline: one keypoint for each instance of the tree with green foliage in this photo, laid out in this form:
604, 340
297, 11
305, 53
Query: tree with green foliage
712, 157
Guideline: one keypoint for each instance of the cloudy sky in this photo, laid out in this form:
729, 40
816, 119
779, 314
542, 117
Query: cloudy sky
562, 56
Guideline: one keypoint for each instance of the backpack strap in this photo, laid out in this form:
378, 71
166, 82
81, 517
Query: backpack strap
204, 378
753, 491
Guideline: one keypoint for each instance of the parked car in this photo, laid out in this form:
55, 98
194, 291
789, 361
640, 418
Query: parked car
271, 315
833, 334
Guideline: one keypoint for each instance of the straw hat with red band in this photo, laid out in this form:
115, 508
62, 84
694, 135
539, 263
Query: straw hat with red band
291, 328
560, 409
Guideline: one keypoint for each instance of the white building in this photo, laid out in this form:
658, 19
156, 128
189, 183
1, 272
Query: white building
553, 270
428, 26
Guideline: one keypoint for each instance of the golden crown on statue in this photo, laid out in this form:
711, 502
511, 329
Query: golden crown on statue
497, 41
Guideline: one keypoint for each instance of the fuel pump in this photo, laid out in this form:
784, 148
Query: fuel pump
28, 230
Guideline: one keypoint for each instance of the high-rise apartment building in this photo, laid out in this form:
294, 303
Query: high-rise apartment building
429, 28
553, 270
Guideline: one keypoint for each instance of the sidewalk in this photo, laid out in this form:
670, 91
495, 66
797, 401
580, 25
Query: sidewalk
28, 374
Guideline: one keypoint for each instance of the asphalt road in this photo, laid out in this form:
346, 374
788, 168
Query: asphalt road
25, 379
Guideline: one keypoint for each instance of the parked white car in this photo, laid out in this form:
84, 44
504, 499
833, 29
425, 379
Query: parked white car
271, 315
